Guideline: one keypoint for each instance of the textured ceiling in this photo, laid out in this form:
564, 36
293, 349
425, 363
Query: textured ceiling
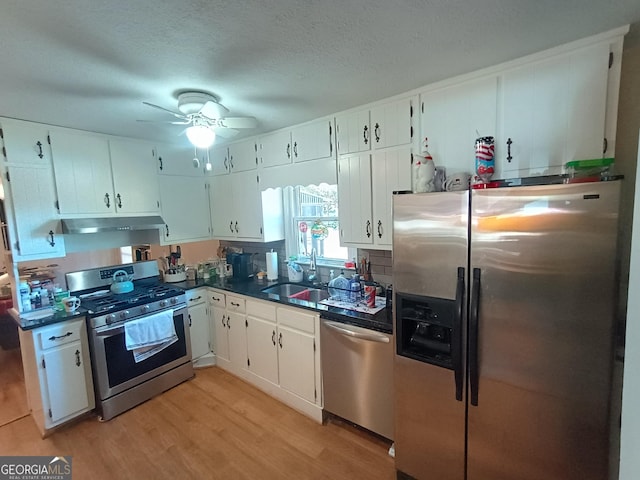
89, 64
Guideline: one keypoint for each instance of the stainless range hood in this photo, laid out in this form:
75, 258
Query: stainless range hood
111, 224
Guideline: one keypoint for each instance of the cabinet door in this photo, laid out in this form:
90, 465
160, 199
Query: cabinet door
222, 208
453, 117
276, 149
552, 112
221, 335
34, 215
83, 172
25, 142
199, 330
353, 132
312, 141
390, 171
248, 205
134, 177
177, 160
184, 207
219, 158
296, 361
66, 384
261, 348
354, 199
243, 155
237, 340
391, 124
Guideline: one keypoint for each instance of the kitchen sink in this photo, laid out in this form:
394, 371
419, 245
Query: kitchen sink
298, 292
285, 289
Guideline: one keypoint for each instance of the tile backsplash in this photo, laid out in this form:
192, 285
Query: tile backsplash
381, 260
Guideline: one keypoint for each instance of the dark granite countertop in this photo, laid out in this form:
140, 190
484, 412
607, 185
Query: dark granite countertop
27, 323
381, 321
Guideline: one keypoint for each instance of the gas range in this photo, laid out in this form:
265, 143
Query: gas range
105, 307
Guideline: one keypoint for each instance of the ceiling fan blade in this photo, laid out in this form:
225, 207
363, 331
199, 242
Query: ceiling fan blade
213, 110
239, 122
226, 132
185, 122
175, 114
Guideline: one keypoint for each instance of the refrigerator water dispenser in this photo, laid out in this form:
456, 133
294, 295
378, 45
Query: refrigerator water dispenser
425, 328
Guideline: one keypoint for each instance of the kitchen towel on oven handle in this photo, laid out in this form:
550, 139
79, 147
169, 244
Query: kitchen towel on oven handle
150, 335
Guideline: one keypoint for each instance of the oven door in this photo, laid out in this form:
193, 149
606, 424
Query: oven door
115, 370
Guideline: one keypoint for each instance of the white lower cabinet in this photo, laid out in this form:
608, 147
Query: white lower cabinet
57, 372
199, 327
283, 355
229, 330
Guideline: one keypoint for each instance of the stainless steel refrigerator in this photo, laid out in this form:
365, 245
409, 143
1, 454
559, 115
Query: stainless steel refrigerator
504, 323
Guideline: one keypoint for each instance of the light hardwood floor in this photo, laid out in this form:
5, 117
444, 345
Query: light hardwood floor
13, 394
212, 427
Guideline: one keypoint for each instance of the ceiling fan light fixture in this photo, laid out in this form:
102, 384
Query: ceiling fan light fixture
201, 136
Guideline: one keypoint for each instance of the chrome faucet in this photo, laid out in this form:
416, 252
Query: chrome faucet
311, 273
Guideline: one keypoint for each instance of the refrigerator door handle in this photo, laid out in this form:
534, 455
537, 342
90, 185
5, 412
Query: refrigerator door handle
456, 341
473, 337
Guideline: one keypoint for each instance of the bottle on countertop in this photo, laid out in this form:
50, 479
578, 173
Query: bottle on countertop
355, 289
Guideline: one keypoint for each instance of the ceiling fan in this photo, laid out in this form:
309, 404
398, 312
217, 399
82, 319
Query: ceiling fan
205, 118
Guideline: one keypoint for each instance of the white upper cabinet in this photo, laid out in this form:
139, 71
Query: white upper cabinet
275, 148
241, 156
312, 141
452, 117
240, 211
354, 199
32, 217
184, 208
353, 132
177, 160
391, 124
82, 171
96, 175
133, 165
390, 172
366, 183
385, 125
309, 141
30, 193
26, 143
553, 111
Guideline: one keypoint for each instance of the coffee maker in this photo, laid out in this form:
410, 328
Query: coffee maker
242, 264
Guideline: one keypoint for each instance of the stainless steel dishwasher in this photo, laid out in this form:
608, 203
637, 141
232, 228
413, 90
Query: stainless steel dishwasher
357, 372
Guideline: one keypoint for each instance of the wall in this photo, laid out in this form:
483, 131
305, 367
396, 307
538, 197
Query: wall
191, 253
73, 262
626, 161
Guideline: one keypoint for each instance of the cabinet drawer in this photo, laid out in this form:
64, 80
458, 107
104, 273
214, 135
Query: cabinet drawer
59, 334
299, 320
195, 296
264, 310
217, 299
235, 304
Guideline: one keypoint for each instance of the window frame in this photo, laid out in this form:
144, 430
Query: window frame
291, 234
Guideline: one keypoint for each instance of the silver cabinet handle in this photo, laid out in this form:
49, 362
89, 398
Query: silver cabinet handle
345, 330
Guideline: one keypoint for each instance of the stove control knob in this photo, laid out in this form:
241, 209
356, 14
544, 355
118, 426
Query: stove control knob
174, 300
124, 314
145, 308
111, 318
163, 303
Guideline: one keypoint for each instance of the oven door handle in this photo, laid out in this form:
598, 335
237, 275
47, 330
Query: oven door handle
110, 331
345, 330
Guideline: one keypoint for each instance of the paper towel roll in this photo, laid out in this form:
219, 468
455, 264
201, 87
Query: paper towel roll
272, 265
